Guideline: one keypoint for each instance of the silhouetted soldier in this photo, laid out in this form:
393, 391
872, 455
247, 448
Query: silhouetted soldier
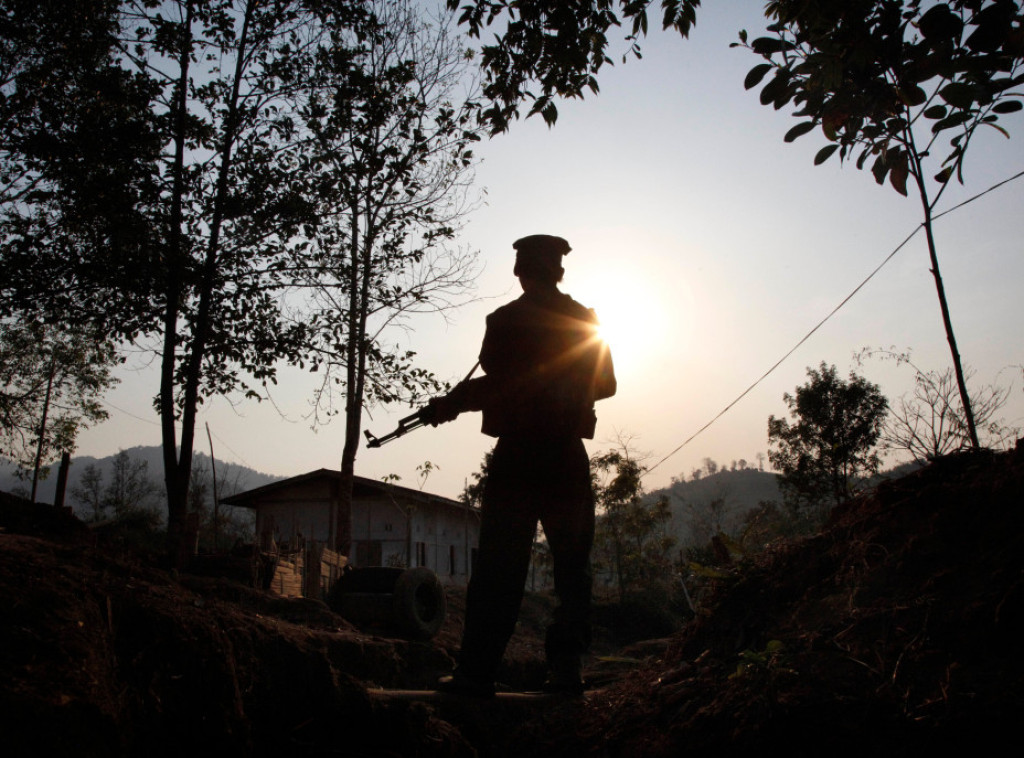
545, 366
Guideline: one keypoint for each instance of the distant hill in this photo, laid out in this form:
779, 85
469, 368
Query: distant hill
702, 506
231, 477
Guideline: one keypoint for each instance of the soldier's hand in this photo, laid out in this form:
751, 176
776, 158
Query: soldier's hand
441, 410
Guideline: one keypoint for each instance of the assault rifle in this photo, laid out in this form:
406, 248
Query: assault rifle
422, 417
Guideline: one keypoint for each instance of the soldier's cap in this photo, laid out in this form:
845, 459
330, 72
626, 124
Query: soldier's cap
540, 254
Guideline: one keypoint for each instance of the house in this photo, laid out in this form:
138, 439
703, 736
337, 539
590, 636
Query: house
300, 521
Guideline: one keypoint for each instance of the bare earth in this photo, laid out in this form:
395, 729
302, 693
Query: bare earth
893, 632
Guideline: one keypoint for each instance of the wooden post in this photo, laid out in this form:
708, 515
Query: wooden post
62, 480
216, 500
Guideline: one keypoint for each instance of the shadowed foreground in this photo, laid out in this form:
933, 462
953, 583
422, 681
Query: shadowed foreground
893, 632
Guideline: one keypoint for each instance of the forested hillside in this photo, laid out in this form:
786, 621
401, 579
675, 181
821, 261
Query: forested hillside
145, 461
717, 502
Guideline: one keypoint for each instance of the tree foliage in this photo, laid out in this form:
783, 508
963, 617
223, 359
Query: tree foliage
394, 162
555, 48
631, 541
207, 187
129, 491
826, 451
883, 80
77, 145
201, 204
395, 167
871, 73
51, 385
473, 492
392, 135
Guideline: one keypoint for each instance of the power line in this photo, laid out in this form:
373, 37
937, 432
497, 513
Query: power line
129, 413
833, 312
157, 423
242, 460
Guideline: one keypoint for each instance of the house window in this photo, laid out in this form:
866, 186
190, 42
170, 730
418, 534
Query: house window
421, 553
369, 553
452, 570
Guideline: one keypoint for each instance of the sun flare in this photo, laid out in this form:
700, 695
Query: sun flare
633, 323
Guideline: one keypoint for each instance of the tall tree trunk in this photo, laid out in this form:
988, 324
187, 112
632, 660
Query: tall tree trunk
177, 505
177, 489
947, 322
42, 423
353, 400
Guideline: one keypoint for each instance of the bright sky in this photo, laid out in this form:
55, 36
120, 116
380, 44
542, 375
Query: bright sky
709, 248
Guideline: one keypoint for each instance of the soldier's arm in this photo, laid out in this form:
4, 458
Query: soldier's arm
605, 384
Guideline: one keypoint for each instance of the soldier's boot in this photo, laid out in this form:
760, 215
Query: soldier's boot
461, 684
565, 676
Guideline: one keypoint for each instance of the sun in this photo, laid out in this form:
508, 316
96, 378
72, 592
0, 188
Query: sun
633, 322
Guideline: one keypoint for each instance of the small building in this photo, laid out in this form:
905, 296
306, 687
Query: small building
301, 522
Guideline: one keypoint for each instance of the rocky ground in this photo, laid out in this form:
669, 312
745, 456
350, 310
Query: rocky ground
892, 632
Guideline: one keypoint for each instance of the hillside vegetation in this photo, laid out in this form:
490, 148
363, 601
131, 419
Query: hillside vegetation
232, 477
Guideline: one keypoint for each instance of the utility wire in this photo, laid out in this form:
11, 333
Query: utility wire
821, 323
778, 363
129, 413
157, 423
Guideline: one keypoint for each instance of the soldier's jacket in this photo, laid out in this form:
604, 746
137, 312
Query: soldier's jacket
545, 366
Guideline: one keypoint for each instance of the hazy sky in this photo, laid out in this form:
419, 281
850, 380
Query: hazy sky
709, 248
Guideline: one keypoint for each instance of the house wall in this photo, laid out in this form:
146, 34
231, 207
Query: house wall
442, 537
305, 512
384, 529
380, 521
443, 540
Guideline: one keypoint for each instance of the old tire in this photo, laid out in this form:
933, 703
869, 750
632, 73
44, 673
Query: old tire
376, 579
419, 605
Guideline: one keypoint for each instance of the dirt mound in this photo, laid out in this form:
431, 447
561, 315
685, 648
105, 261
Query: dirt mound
101, 655
891, 631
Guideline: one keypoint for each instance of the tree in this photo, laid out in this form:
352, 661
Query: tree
558, 46
708, 519
89, 492
130, 487
394, 166
222, 526
51, 384
129, 492
828, 449
929, 421
235, 197
631, 538
206, 198
77, 140
202, 195
872, 75
473, 494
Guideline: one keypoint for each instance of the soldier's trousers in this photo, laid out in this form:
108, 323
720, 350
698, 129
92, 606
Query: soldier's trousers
531, 480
